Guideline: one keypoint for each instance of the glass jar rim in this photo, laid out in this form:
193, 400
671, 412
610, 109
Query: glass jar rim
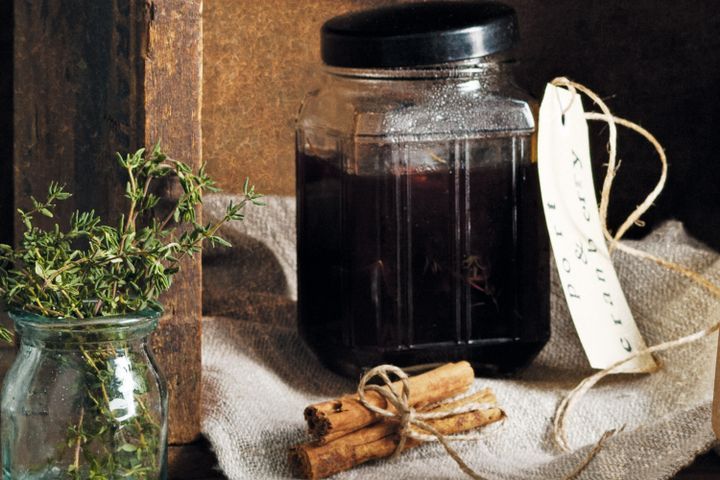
441, 71
96, 329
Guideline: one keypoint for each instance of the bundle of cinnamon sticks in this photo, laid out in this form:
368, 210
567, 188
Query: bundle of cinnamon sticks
345, 433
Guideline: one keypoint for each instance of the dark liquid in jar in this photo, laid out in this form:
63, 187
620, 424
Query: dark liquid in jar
425, 263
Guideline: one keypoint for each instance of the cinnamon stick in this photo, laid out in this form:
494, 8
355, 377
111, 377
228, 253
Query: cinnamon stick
316, 460
333, 419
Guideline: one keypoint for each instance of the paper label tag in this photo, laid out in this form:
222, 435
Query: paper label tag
594, 296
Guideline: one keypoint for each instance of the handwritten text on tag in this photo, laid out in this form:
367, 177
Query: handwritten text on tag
596, 301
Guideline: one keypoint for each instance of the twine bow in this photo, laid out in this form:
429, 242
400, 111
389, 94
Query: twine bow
412, 423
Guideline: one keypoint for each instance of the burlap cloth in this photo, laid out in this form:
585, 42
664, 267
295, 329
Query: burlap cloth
258, 375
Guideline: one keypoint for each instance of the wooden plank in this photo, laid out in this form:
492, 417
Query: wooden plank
63, 63
261, 57
93, 78
173, 68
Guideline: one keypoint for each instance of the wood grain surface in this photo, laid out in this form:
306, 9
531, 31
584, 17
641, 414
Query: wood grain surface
93, 78
172, 88
261, 57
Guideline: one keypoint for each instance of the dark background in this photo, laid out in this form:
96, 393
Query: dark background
654, 62
6, 131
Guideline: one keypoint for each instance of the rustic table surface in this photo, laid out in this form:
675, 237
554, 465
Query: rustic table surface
197, 462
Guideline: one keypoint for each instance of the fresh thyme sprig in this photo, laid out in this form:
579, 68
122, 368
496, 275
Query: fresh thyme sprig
93, 269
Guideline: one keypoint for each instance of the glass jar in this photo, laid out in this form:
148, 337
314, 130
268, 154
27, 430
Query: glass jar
421, 237
84, 399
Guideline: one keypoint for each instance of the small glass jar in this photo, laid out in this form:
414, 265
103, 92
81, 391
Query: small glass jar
421, 237
84, 399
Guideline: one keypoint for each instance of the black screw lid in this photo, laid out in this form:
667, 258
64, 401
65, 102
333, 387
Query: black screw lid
415, 34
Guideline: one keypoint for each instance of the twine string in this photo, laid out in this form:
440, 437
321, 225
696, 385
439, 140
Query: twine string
413, 423
591, 454
574, 396
612, 151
